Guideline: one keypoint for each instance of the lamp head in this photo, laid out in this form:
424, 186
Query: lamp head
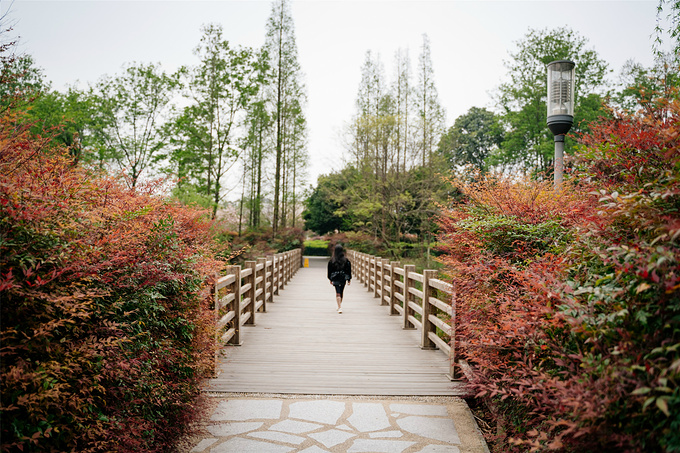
561, 81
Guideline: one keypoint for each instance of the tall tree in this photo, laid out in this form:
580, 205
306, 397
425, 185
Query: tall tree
220, 88
258, 122
431, 116
402, 90
287, 89
131, 108
528, 142
431, 120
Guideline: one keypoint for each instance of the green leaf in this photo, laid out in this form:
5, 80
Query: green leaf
662, 404
641, 391
648, 401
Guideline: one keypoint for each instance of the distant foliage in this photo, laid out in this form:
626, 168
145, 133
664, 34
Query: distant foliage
568, 302
317, 247
105, 322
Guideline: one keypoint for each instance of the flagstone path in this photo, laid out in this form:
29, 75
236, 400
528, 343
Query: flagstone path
314, 424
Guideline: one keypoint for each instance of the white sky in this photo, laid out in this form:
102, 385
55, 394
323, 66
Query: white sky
79, 41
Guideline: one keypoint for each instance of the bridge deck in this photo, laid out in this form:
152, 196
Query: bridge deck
303, 346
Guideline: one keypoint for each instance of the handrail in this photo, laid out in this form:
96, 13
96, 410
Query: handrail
397, 287
242, 292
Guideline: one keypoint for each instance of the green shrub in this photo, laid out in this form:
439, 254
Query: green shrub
317, 247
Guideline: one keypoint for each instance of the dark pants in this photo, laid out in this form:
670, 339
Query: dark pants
339, 287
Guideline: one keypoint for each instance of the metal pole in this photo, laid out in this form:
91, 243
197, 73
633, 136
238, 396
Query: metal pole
559, 160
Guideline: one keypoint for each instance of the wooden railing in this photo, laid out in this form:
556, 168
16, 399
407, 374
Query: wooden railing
243, 292
423, 301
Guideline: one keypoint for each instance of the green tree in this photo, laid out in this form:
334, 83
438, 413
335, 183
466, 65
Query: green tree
69, 118
402, 92
131, 109
259, 124
528, 143
472, 138
642, 88
431, 116
286, 93
220, 89
325, 210
671, 9
21, 81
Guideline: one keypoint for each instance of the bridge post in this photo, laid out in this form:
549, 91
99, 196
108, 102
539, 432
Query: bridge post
250, 293
261, 286
384, 282
378, 276
393, 266
373, 276
236, 270
428, 326
286, 268
408, 297
269, 279
277, 273
365, 269
289, 266
367, 263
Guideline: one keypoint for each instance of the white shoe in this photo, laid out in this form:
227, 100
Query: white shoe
339, 310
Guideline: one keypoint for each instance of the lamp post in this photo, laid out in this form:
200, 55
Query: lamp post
561, 77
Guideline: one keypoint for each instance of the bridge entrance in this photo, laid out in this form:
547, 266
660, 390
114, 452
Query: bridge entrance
303, 346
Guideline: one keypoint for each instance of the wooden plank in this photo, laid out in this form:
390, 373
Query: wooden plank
441, 285
224, 301
247, 272
303, 346
444, 346
446, 328
446, 308
225, 281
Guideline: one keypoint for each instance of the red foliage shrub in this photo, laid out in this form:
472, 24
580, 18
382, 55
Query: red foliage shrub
567, 302
105, 327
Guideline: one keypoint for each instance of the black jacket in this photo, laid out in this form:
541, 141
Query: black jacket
339, 273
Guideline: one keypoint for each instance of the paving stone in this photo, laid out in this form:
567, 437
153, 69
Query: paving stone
440, 449
386, 434
231, 429
314, 449
239, 410
278, 437
379, 446
331, 437
345, 427
327, 412
420, 409
202, 445
294, 426
368, 417
241, 445
442, 429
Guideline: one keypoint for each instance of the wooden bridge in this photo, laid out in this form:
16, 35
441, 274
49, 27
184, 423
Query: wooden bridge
283, 334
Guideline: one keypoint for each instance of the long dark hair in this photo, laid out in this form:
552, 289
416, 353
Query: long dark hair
338, 255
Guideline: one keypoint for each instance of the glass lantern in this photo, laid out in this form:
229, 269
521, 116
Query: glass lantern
561, 76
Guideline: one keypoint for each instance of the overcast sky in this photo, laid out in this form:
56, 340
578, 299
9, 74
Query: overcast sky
79, 41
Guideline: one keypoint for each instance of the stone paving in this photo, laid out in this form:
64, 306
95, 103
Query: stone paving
335, 425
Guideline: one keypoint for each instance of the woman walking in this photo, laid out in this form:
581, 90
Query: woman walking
339, 273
